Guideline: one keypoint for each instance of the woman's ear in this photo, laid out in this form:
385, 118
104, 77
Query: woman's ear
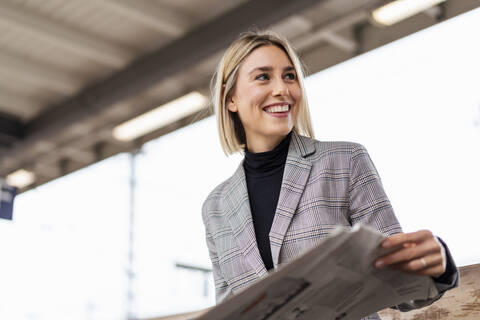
231, 105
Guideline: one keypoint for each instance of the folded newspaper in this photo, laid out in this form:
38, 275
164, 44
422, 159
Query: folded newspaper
334, 280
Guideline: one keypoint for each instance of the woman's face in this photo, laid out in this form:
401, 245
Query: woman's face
267, 97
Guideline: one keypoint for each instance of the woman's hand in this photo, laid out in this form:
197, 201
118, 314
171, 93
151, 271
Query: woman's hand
418, 253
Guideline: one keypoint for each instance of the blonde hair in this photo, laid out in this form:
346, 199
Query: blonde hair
230, 129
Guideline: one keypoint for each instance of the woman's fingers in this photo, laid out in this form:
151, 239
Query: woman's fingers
404, 238
433, 270
418, 253
420, 264
409, 254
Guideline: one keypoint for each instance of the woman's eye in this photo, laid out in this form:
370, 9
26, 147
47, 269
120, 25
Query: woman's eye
262, 76
290, 76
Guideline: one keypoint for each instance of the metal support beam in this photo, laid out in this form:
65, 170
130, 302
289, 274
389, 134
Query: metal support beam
51, 171
131, 271
83, 156
341, 42
326, 32
17, 104
11, 130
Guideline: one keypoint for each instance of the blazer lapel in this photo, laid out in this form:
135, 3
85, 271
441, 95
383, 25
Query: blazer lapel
295, 177
240, 219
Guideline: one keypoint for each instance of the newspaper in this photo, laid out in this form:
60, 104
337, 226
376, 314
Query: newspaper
335, 280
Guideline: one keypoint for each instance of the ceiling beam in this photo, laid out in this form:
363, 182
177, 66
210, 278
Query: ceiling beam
50, 171
324, 32
11, 130
17, 105
348, 44
164, 20
176, 57
65, 36
329, 32
82, 156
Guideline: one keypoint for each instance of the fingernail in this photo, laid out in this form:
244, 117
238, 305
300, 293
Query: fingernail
379, 263
386, 244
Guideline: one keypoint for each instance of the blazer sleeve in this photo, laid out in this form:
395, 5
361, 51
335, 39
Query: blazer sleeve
222, 291
369, 205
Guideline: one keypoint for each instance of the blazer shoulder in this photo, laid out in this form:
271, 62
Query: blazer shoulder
336, 148
332, 145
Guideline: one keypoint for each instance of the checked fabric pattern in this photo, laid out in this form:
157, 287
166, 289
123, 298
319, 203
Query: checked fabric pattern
324, 184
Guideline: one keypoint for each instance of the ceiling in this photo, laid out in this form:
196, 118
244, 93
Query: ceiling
70, 71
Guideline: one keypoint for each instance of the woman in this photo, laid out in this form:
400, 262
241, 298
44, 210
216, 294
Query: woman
291, 190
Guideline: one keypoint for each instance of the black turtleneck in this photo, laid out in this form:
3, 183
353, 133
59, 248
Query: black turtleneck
264, 172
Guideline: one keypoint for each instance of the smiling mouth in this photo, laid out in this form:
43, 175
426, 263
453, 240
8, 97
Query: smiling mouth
282, 108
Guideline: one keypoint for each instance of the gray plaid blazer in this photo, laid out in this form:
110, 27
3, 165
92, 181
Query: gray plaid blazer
324, 184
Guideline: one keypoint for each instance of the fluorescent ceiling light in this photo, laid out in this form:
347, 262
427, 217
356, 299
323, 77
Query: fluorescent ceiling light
398, 10
159, 117
20, 178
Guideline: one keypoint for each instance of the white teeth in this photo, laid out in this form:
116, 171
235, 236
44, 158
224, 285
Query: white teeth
282, 108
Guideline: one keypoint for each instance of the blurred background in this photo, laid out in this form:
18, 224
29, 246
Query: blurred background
103, 104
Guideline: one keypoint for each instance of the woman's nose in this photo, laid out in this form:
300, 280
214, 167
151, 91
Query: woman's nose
280, 88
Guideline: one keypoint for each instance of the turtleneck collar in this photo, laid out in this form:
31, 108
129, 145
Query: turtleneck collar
266, 163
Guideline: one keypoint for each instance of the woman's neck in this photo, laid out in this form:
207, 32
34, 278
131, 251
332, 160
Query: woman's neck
263, 144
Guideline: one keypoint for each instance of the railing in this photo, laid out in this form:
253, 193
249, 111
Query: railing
462, 303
